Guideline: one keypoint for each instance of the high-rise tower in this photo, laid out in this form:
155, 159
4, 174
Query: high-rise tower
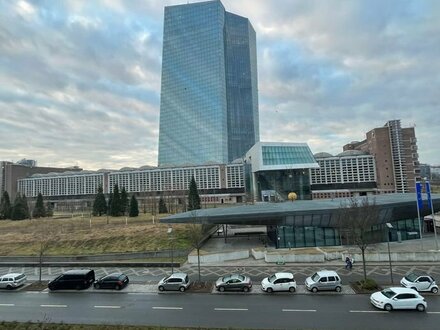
209, 101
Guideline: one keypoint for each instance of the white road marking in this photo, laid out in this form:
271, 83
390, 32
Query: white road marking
299, 310
433, 312
167, 307
7, 305
55, 306
368, 312
114, 307
230, 309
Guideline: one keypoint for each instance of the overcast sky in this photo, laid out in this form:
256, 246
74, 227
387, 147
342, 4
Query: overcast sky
80, 80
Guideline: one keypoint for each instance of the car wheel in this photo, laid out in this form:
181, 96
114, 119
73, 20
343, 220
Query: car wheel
221, 289
269, 290
434, 290
338, 289
97, 286
9, 287
388, 307
292, 289
182, 289
118, 287
161, 288
314, 289
420, 307
245, 289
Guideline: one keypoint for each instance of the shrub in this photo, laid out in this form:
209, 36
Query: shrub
368, 284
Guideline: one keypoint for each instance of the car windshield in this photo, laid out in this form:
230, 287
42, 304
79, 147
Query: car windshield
19, 277
315, 277
272, 278
388, 293
411, 277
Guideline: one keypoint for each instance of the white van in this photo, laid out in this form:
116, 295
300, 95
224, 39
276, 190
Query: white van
324, 280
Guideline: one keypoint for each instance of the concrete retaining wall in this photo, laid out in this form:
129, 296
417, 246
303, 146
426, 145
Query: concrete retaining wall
258, 254
218, 257
396, 256
101, 257
276, 257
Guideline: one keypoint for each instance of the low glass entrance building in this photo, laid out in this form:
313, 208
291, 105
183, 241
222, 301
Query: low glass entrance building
304, 223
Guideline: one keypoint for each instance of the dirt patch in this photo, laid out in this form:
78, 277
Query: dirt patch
201, 287
36, 286
358, 289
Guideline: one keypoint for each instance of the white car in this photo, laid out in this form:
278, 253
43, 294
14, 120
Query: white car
419, 282
398, 298
279, 282
12, 280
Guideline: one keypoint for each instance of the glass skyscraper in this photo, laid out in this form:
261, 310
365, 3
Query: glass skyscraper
209, 102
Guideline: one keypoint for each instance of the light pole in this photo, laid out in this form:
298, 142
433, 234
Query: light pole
389, 226
170, 237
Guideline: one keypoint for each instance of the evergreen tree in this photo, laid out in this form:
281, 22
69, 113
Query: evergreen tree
124, 201
134, 209
193, 196
39, 210
49, 209
99, 205
5, 206
162, 206
20, 209
115, 206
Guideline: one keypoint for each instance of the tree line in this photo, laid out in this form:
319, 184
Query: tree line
118, 204
19, 210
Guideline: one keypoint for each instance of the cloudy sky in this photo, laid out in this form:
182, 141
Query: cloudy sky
80, 80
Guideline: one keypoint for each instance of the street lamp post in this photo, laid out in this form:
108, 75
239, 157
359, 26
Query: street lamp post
170, 234
389, 226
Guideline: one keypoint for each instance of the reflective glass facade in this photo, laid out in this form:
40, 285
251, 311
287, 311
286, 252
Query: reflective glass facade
209, 107
287, 155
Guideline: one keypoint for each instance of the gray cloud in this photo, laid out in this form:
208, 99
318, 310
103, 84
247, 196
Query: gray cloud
80, 80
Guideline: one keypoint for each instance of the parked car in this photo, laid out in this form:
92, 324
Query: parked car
176, 282
234, 282
116, 281
324, 280
12, 280
398, 298
279, 282
419, 282
73, 279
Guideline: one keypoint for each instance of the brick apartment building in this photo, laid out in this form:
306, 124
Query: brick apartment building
395, 151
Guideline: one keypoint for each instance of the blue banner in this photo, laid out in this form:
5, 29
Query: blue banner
428, 193
419, 196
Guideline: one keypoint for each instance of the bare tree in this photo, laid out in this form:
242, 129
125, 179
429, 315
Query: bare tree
356, 218
196, 235
46, 235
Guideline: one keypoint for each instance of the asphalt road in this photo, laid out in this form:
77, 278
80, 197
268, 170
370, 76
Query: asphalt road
276, 311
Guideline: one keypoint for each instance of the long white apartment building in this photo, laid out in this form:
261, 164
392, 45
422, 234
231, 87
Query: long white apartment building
209, 178
350, 173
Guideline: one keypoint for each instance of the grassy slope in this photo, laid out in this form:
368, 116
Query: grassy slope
75, 236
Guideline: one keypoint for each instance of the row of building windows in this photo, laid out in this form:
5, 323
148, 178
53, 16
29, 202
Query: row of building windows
148, 180
344, 170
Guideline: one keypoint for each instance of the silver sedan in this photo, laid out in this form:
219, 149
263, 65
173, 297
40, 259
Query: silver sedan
234, 282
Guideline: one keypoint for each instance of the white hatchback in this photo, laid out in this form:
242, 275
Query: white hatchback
12, 280
398, 298
419, 282
279, 282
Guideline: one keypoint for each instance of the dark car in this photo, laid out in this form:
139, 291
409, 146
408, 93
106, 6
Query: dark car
73, 279
234, 282
116, 281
